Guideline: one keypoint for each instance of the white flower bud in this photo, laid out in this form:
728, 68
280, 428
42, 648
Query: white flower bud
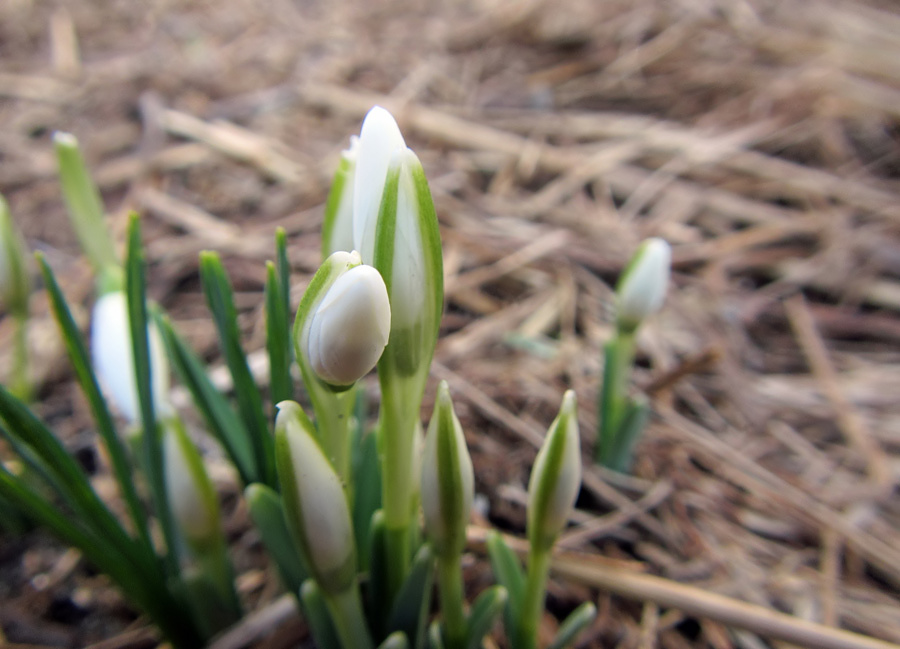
315, 504
337, 228
349, 328
555, 478
379, 138
642, 288
191, 496
409, 272
112, 356
448, 485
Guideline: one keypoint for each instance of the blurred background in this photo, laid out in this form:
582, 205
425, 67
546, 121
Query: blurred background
760, 138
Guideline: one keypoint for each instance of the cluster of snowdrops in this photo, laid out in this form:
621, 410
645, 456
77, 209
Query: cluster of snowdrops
337, 505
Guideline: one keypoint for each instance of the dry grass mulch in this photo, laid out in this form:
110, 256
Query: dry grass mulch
761, 138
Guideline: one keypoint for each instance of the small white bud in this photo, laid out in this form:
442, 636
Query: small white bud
337, 229
556, 477
379, 138
642, 288
448, 484
350, 327
315, 503
191, 496
409, 274
112, 356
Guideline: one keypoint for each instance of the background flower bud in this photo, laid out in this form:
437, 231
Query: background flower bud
315, 504
191, 496
642, 287
350, 327
556, 477
112, 356
448, 484
337, 227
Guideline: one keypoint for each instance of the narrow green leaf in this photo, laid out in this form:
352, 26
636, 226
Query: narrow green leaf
78, 356
508, 571
42, 474
219, 296
135, 290
278, 341
85, 207
618, 356
66, 475
134, 577
221, 419
317, 615
410, 611
283, 266
268, 516
484, 612
378, 599
366, 486
633, 422
135, 570
578, 620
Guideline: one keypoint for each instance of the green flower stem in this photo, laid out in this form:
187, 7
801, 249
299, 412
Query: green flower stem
347, 615
21, 385
617, 364
450, 585
396, 429
334, 430
218, 569
533, 606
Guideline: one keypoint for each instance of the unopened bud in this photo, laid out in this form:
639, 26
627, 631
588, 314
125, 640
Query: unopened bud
379, 138
555, 478
112, 356
337, 225
348, 321
642, 287
191, 495
447, 478
315, 504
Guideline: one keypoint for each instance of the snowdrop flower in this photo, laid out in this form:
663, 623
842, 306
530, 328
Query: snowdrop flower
448, 485
337, 226
344, 320
112, 357
642, 287
379, 139
556, 477
315, 505
192, 498
395, 229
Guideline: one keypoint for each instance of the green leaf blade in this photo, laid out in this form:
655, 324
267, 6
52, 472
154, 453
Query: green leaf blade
219, 297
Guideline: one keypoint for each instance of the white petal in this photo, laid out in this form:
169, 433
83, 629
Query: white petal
185, 497
326, 518
350, 327
408, 275
379, 138
112, 357
643, 290
342, 230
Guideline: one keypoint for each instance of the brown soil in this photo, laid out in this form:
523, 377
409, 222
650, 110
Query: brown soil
760, 137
